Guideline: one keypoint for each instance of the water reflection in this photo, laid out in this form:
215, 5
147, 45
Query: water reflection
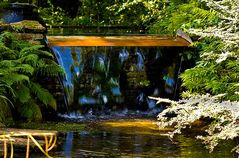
68, 145
134, 140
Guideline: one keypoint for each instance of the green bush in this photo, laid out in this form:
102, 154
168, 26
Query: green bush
21, 66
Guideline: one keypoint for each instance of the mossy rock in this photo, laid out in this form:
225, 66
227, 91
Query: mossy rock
25, 26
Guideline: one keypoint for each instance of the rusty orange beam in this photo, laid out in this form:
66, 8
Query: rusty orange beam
117, 41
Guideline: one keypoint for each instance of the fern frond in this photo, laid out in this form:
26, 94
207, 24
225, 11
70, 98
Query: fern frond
6, 100
30, 59
6, 53
30, 50
48, 67
14, 66
7, 64
7, 39
30, 110
24, 69
23, 93
46, 54
14, 78
35, 49
43, 94
5, 89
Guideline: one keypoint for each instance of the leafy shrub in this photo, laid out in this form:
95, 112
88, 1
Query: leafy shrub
21, 67
224, 116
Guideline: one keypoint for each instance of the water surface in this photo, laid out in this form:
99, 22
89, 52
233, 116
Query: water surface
133, 139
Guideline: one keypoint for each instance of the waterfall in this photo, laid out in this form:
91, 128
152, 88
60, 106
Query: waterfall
100, 79
123, 55
140, 59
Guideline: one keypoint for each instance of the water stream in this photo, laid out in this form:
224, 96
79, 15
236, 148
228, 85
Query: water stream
105, 79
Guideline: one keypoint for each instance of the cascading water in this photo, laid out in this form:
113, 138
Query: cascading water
107, 79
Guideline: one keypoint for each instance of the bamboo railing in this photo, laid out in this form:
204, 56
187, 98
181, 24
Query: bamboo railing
19, 136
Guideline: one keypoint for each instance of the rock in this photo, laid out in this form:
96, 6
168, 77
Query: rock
24, 21
25, 26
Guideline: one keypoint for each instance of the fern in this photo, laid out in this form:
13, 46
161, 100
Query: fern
21, 66
6, 53
12, 78
43, 95
23, 94
47, 67
46, 54
34, 50
25, 69
30, 59
31, 111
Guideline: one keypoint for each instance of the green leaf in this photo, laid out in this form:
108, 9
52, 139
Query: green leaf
30, 50
30, 110
25, 69
30, 59
35, 49
43, 95
23, 93
15, 78
48, 67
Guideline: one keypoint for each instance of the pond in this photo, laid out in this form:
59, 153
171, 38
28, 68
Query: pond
131, 139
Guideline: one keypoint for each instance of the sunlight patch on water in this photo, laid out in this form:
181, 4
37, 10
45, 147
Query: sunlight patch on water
140, 126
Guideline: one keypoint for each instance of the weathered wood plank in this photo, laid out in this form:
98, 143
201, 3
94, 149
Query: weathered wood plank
117, 41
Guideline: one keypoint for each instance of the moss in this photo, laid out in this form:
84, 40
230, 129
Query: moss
29, 25
56, 126
24, 26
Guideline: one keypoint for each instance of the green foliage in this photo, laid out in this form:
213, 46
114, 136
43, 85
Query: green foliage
53, 15
212, 85
21, 64
217, 71
183, 15
214, 79
30, 110
136, 12
222, 118
43, 95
